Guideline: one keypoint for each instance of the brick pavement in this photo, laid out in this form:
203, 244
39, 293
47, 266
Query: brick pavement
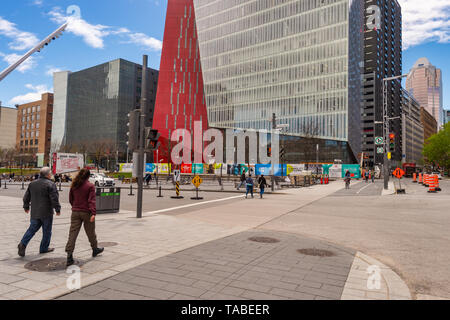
233, 268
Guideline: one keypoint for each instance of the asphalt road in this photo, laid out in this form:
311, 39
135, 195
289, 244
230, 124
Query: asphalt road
409, 232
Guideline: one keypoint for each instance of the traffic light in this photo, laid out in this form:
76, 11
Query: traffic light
391, 141
133, 130
151, 139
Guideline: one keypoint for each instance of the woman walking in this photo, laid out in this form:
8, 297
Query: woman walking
262, 184
82, 199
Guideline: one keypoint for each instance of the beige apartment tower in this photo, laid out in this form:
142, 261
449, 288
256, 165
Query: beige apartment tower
424, 83
8, 123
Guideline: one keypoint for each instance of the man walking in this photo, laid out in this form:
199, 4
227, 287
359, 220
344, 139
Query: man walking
43, 195
249, 182
242, 180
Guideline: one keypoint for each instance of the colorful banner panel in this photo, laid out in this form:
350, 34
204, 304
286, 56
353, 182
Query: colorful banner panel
355, 171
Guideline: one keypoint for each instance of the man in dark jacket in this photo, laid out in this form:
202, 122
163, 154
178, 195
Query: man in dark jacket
242, 180
262, 185
43, 195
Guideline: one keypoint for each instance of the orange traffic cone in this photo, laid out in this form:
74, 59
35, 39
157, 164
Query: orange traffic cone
432, 187
414, 177
425, 180
420, 178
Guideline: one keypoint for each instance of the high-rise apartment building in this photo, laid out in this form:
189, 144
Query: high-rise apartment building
8, 124
34, 127
91, 105
234, 63
424, 82
382, 59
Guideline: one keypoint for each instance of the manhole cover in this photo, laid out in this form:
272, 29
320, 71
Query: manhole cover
49, 264
107, 244
316, 252
264, 239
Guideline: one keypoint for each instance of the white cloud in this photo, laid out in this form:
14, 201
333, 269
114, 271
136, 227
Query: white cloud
425, 21
52, 70
28, 64
94, 35
38, 2
21, 40
145, 41
34, 95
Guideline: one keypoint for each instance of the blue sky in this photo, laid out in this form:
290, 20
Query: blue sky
128, 29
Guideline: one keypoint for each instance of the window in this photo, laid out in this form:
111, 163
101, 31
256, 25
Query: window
38, 108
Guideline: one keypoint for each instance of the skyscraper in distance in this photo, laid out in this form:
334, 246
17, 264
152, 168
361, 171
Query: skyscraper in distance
424, 82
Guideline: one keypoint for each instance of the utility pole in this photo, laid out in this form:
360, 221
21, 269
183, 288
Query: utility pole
140, 164
386, 128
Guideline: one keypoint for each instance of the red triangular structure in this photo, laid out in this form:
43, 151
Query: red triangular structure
179, 99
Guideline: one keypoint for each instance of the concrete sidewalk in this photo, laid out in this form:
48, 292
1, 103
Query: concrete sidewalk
138, 241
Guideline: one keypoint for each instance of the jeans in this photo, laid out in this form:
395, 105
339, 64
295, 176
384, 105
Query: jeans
261, 192
35, 225
240, 184
249, 189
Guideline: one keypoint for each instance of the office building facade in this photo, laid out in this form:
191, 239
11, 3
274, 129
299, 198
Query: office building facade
298, 59
424, 82
429, 123
412, 130
382, 59
8, 124
92, 106
34, 127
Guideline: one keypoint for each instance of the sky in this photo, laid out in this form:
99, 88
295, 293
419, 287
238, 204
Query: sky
106, 30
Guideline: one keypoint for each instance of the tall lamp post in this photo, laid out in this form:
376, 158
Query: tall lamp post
386, 128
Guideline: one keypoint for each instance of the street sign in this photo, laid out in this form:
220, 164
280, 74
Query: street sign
380, 150
398, 173
176, 175
197, 181
379, 140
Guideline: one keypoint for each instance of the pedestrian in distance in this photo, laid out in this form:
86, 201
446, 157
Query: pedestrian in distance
44, 199
249, 182
347, 179
372, 175
262, 185
82, 199
241, 184
366, 176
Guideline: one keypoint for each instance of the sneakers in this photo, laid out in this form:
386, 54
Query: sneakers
70, 260
21, 248
97, 251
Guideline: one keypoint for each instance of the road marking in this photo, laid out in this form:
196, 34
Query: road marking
363, 188
193, 204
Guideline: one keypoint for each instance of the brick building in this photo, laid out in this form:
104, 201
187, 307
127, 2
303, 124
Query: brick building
34, 127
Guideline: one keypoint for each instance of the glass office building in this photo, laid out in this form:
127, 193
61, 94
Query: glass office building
92, 105
299, 59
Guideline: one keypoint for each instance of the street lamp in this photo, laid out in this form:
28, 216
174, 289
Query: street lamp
386, 126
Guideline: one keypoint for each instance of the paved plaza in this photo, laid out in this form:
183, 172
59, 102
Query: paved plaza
318, 242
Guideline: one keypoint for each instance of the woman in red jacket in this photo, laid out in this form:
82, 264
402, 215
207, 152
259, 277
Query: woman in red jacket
82, 199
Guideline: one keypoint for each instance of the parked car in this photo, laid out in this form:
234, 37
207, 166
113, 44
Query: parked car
101, 180
438, 174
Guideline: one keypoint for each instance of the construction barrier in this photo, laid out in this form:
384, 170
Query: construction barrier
420, 178
414, 177
425, 180
436, 179
431, 184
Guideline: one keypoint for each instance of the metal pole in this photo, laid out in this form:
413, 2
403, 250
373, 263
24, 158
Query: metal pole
386, 163
140, 168
274, 126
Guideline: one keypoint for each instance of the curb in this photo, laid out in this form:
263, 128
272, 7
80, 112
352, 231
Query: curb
391, 286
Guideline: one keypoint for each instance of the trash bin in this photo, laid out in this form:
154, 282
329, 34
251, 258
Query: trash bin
107, 200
